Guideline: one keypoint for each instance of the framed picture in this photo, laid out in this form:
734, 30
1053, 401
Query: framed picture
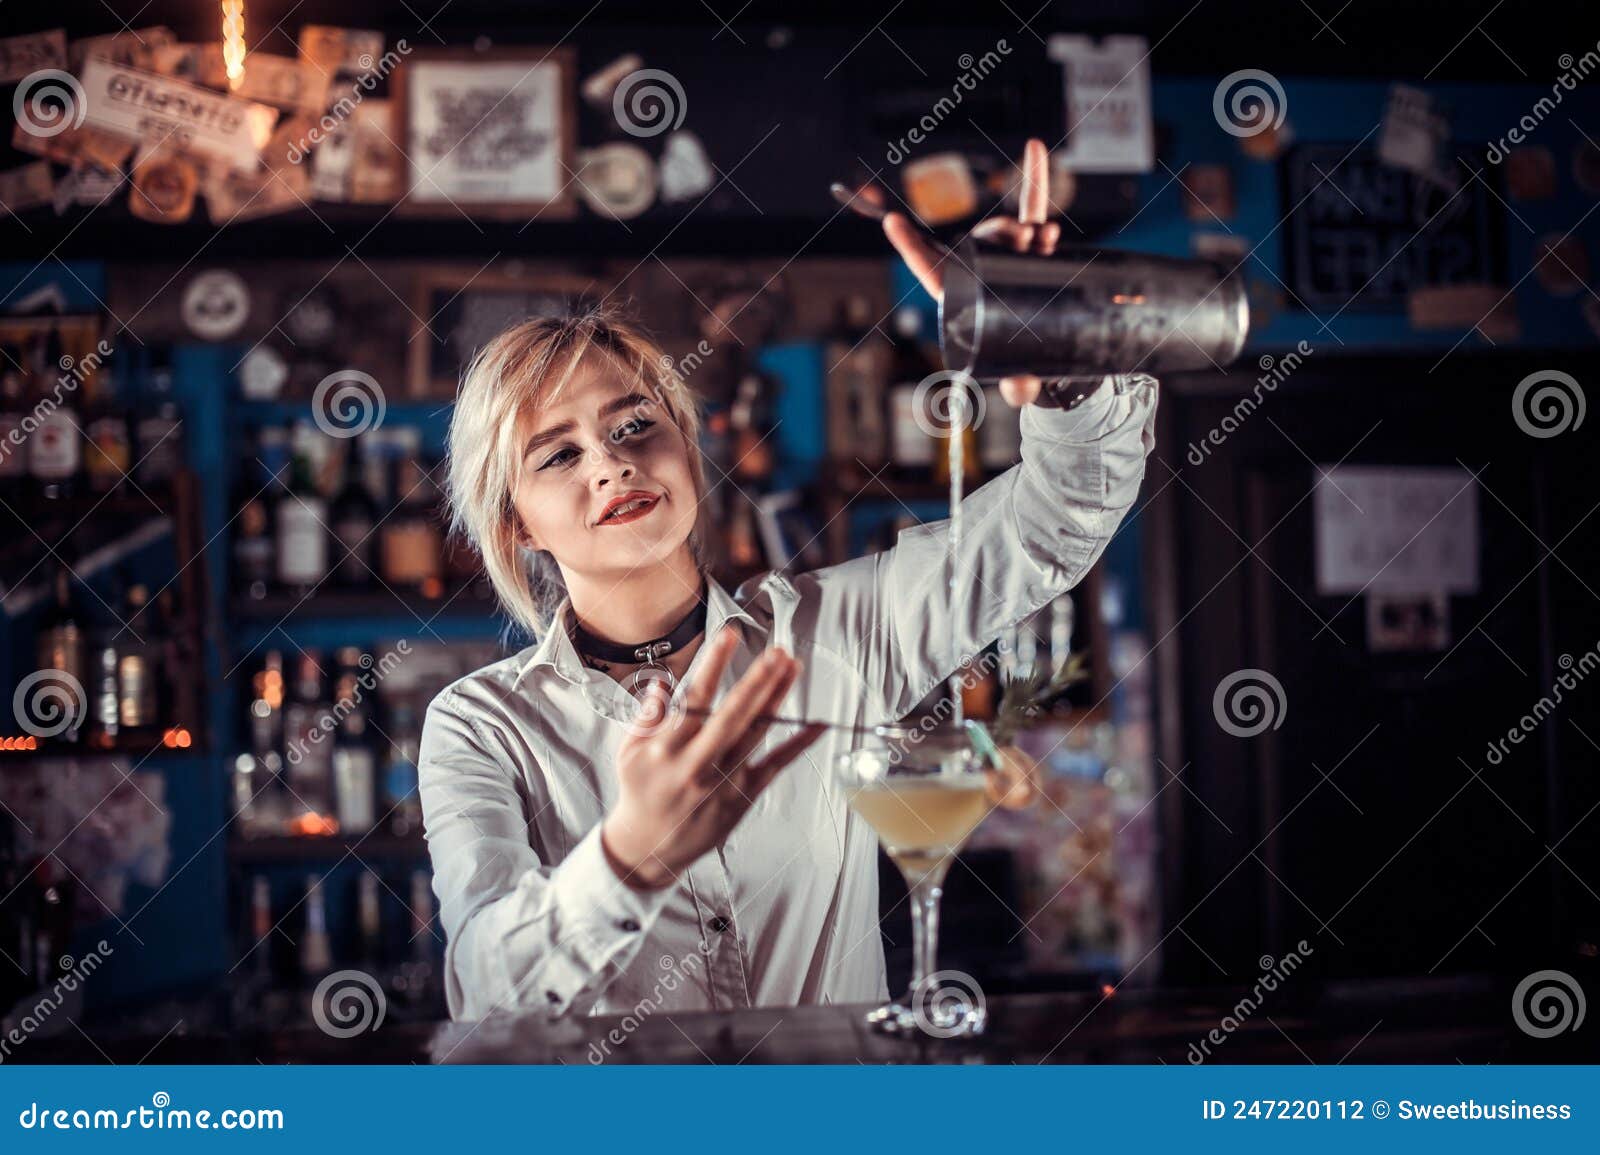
459, 310
489, 134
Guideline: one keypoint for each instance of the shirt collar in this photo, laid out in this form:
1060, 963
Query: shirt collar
556, 650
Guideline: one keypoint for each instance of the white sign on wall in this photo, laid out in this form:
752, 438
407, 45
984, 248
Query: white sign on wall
1396, 530
159, 110
1109, 122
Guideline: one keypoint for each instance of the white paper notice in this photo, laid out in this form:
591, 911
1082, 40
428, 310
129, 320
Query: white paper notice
1396, 530
1109, 122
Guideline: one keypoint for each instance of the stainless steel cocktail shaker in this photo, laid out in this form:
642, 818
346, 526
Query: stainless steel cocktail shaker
1083, 311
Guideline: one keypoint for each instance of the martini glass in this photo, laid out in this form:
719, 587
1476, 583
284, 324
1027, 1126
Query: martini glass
923, 792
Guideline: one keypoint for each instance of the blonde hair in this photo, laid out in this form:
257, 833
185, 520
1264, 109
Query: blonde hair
527, 367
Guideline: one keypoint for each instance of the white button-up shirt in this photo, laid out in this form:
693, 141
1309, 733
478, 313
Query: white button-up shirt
517, 761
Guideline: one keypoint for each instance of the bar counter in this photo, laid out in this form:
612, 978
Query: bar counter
1371, 1022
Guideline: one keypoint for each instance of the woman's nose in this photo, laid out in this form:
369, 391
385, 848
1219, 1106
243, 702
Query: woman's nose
607, 466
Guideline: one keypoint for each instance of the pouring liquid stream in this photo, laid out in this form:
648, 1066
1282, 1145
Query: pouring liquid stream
958, 416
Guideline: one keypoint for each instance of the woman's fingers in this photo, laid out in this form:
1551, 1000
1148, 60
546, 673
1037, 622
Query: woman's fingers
1049, 236
744, 744
736, 714
1035, 194
764, 769
918, 254
1020, 391
702, 687
1006, 231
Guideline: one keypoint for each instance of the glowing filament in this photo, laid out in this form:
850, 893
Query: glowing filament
233, 41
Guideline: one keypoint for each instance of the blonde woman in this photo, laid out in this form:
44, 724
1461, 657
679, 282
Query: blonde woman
597, 852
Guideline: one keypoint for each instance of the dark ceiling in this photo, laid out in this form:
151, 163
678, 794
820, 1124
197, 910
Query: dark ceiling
1442, 40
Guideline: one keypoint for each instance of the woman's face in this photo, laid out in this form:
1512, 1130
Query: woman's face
605, 484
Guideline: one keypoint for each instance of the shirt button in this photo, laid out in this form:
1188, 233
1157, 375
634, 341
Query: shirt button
628, 924
719, 924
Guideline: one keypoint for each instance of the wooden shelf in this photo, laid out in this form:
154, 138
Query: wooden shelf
331, 603
50, 748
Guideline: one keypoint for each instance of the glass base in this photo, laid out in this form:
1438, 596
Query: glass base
944, 1019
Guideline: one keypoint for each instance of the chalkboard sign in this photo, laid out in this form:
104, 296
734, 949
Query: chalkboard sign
463, 315
1362, 235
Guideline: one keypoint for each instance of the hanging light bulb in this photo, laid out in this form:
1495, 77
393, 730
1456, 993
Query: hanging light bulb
233, 41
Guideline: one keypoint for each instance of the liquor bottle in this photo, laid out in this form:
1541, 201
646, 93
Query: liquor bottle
61, 648
751, 428
139, 671
308, 748
355, 517
261, 926
55, 449
14, 981
302, 516
858, 359
258, 773
355, 764
400, 798
911, 443
158, 433
105, 718
104, 653
421, 916
13, 411
253, 545
369, 920
416, 979
316, 952
1000, 435
412, 547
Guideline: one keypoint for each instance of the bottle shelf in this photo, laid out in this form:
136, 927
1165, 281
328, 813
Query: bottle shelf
272, 849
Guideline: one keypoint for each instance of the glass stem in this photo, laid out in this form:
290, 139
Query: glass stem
925, 895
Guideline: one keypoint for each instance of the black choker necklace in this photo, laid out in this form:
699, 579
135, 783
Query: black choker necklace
649, 653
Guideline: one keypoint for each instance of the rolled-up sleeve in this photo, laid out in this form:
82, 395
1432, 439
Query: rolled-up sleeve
1027, 536
520, 932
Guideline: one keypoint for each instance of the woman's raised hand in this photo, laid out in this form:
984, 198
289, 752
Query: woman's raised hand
1029, 231
687, 778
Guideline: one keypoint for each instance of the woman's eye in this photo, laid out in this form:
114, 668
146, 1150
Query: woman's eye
630, 428
560, 458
